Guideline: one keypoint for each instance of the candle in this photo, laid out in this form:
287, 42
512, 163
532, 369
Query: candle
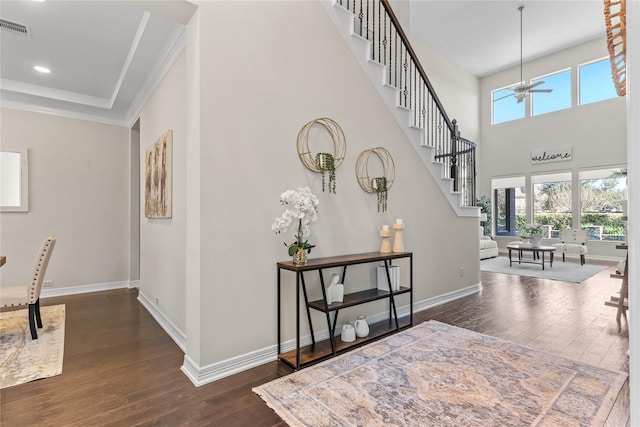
385, 227
398, 221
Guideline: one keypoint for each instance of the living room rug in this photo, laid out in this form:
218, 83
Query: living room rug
435, 374
563, 271
23, 359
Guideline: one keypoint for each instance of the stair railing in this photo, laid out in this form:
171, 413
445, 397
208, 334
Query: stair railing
376, 22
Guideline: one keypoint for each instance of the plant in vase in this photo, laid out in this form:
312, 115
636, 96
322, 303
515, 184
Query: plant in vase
484, 203
380, 185
531, 232
302, 210
326, 164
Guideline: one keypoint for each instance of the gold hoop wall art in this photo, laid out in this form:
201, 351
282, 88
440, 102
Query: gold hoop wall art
376, 177
327, 161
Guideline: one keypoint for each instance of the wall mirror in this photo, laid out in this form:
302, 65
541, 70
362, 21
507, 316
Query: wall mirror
14, 180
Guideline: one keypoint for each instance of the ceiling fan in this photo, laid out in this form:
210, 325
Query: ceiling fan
522, 90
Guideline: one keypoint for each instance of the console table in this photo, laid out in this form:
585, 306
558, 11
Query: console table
321, 350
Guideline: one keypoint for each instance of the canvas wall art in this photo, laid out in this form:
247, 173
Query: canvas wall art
158, 179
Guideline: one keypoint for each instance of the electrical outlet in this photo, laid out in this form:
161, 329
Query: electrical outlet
47, 283
461, 271
157, 301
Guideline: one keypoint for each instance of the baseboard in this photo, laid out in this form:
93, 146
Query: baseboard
172, 330
83, 289
215, 371
445, 298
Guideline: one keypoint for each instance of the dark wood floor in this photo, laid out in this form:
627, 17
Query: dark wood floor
121, 369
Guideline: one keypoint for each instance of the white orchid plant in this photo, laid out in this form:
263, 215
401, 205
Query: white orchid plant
303, 208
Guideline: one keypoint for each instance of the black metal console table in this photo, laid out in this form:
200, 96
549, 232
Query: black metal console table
317, 351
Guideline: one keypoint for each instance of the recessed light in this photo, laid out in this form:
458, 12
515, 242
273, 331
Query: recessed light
41, 69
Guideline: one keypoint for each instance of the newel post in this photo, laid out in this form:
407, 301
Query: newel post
454, 154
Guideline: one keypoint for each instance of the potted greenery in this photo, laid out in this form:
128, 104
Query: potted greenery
484, 203
327, 164
531, 232
380, 185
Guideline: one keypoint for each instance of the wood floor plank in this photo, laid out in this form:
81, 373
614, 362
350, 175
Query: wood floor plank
121, 369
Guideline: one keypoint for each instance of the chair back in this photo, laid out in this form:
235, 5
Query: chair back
42, 261
575, 236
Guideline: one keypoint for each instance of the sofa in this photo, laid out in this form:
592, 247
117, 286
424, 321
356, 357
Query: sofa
488, 246
573, 241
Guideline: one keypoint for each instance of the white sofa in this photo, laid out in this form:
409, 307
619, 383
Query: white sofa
573, 241
488, 246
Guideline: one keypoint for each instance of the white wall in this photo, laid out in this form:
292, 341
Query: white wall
78, 191
162, 241
266, 69
596, 132
457, 89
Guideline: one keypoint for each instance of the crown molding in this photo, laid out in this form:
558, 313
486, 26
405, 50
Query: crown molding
37, 99
173, 49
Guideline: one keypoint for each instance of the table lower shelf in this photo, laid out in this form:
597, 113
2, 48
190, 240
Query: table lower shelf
615, 301
321, 350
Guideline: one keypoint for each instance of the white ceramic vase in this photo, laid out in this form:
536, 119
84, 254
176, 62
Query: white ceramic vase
348, 333
361, 327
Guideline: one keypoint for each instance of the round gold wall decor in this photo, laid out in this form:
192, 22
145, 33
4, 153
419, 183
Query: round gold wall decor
369, 173
377, 176
337, 148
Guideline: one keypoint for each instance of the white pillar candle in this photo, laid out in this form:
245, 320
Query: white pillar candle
398, 221
385, 227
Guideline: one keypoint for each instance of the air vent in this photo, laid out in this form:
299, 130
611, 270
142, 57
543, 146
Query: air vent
14, 27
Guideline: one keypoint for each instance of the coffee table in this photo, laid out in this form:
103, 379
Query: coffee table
535, 251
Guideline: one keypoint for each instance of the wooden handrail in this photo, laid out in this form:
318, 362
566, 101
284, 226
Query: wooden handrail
375, 21
414, 57
616, 24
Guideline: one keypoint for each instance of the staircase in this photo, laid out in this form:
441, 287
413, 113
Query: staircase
374, 35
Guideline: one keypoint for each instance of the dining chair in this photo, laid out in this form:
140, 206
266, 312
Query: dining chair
29, 295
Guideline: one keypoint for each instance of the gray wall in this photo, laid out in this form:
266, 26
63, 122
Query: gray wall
251, 108
78, 191
162, 241
596, 132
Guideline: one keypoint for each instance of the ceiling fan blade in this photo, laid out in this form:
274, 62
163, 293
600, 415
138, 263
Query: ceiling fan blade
527, 88
538, 83
502, 97
541, 90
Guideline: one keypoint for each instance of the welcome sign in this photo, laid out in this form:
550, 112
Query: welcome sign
548, 155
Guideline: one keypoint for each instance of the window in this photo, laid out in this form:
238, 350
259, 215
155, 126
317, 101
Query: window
552, 201
603, 194
504, 106
595, 82
559, 99
14, 180
509, 204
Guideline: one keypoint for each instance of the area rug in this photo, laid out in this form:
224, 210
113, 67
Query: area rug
440, 375
563, 271
23, 359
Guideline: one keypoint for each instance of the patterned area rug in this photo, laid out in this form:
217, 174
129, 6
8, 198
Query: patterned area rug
440, 375
23, 359
563, 271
